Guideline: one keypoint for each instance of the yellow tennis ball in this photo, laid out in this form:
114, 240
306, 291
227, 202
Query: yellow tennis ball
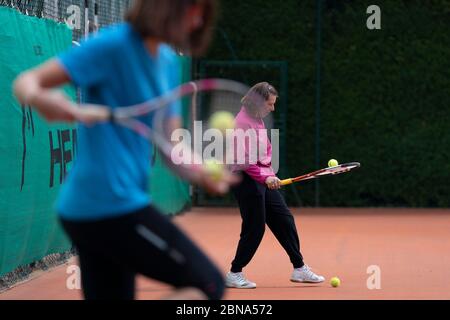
333, 163
214, 168
222, 120
335, 282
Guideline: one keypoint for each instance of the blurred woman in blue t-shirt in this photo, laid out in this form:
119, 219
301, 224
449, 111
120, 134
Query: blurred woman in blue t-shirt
104, 204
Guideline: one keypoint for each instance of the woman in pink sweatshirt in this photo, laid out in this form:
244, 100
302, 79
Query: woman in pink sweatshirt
259, 200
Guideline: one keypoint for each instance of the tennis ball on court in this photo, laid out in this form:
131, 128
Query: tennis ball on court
214, 168
335, 282
333, 163
222, 120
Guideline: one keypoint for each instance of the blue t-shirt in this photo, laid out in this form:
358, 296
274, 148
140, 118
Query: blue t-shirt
110, 175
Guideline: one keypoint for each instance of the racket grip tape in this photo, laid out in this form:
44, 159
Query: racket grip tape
286, 181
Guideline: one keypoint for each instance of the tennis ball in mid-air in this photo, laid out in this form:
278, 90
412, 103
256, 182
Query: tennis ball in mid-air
222, 120
335, 282
333, 163
214, 169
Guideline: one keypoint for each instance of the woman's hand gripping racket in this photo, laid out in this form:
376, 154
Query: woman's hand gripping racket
345, 167
191, 151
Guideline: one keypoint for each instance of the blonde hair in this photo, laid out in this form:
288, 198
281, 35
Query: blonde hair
258, 94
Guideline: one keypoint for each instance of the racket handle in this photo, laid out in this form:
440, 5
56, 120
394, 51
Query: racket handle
286, 181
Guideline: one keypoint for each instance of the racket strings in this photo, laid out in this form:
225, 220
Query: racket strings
207, 96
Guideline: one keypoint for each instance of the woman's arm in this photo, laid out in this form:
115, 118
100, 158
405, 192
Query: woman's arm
35, 88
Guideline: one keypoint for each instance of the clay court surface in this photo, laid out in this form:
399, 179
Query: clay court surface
411, 248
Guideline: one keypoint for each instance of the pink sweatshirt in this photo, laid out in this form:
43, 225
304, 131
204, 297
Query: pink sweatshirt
262, 169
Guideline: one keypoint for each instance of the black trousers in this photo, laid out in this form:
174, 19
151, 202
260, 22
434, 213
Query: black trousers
260, 206
112, 251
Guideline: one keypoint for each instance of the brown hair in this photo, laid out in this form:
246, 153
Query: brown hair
162, 20
258, 94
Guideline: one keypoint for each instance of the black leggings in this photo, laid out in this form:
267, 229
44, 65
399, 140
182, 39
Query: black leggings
260, 205
112, 251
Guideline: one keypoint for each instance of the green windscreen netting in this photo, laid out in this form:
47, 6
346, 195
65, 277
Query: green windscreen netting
35, 157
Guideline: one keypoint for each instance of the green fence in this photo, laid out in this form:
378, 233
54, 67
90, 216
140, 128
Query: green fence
35, 156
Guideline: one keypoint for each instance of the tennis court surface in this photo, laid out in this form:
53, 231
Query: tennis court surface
376, 253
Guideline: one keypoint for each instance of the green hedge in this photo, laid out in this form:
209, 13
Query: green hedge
385, 94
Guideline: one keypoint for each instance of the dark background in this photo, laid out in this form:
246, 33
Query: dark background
380, 97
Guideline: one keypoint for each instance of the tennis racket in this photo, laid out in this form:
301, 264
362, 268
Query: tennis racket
345, 167
194, 144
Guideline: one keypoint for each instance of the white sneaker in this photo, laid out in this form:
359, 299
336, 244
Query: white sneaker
237, 280
305, 274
